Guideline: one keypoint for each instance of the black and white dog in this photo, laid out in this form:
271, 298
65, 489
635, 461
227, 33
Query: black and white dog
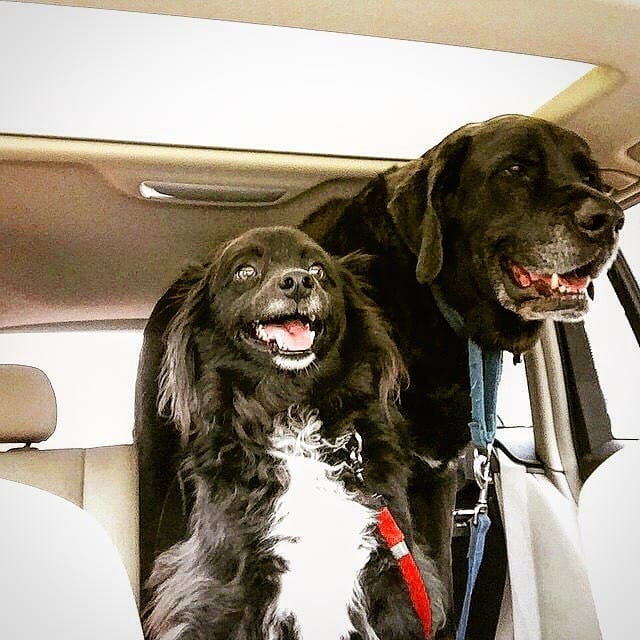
281, 374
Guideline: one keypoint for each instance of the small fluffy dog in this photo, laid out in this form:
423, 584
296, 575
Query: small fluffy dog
281, 375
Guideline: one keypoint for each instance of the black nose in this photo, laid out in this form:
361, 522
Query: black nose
296, 284
596, 218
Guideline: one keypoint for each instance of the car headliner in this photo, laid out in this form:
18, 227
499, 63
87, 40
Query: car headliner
81, 243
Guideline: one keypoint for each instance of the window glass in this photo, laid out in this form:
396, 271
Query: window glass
630, 239
121, 75
93, 376
615, 350
514, 409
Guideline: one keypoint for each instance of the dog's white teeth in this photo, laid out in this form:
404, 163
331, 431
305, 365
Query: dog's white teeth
261, 333
313, 335
562, 289
555, 281
281, 345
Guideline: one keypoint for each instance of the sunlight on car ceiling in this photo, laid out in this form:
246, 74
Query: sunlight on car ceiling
92, 73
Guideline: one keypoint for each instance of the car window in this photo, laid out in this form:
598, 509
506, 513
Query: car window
93, 376
176, 80
615, 351
630, 239
513, 409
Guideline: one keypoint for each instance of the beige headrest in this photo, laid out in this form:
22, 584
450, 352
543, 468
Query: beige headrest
27, 404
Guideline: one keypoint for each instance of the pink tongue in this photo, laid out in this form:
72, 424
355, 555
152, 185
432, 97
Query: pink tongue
574, 283
292, 335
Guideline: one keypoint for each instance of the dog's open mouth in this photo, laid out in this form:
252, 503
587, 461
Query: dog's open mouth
553, 285
290, 339
288, 335
537, 294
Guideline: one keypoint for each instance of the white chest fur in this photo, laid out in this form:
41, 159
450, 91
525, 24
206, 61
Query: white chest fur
324, 536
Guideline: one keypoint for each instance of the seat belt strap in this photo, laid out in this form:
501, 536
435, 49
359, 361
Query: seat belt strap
511, 488
393, 536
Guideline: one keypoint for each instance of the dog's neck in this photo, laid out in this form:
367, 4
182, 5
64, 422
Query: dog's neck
277, 397
503, 329
272, 395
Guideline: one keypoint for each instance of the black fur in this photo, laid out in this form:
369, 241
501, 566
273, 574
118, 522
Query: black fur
441, 222
225, 392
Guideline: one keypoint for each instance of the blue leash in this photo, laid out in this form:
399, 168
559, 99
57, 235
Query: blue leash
485, 370
479, 530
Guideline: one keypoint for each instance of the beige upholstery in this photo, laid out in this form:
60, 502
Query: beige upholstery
548, 595
103, 481
27, 404
62, 577
610, 533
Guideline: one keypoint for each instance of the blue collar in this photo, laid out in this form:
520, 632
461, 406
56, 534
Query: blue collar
485, 370
453, 318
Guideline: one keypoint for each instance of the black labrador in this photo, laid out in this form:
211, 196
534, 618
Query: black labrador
505, 221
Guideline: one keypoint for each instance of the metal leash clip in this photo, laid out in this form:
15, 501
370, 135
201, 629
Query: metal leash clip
351, 443
482, 476
355, 456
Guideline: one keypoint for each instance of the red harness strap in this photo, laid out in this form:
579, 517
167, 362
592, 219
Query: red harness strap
394, 538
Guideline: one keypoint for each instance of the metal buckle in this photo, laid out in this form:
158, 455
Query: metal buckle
482, 475
355, 457
351, 443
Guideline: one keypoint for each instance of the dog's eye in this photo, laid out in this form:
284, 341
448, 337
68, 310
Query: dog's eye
245, 272
590, 179
515, 170
317, 270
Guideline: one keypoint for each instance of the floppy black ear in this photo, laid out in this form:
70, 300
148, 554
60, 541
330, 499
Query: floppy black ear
177, 398
371, 331
416, 201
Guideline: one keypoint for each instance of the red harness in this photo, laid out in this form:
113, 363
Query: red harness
394, 538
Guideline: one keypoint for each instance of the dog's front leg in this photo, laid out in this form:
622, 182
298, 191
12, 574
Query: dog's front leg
391, 613
432, 497
391, 610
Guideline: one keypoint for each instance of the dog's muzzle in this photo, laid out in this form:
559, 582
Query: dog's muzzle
553, 278
289, 309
